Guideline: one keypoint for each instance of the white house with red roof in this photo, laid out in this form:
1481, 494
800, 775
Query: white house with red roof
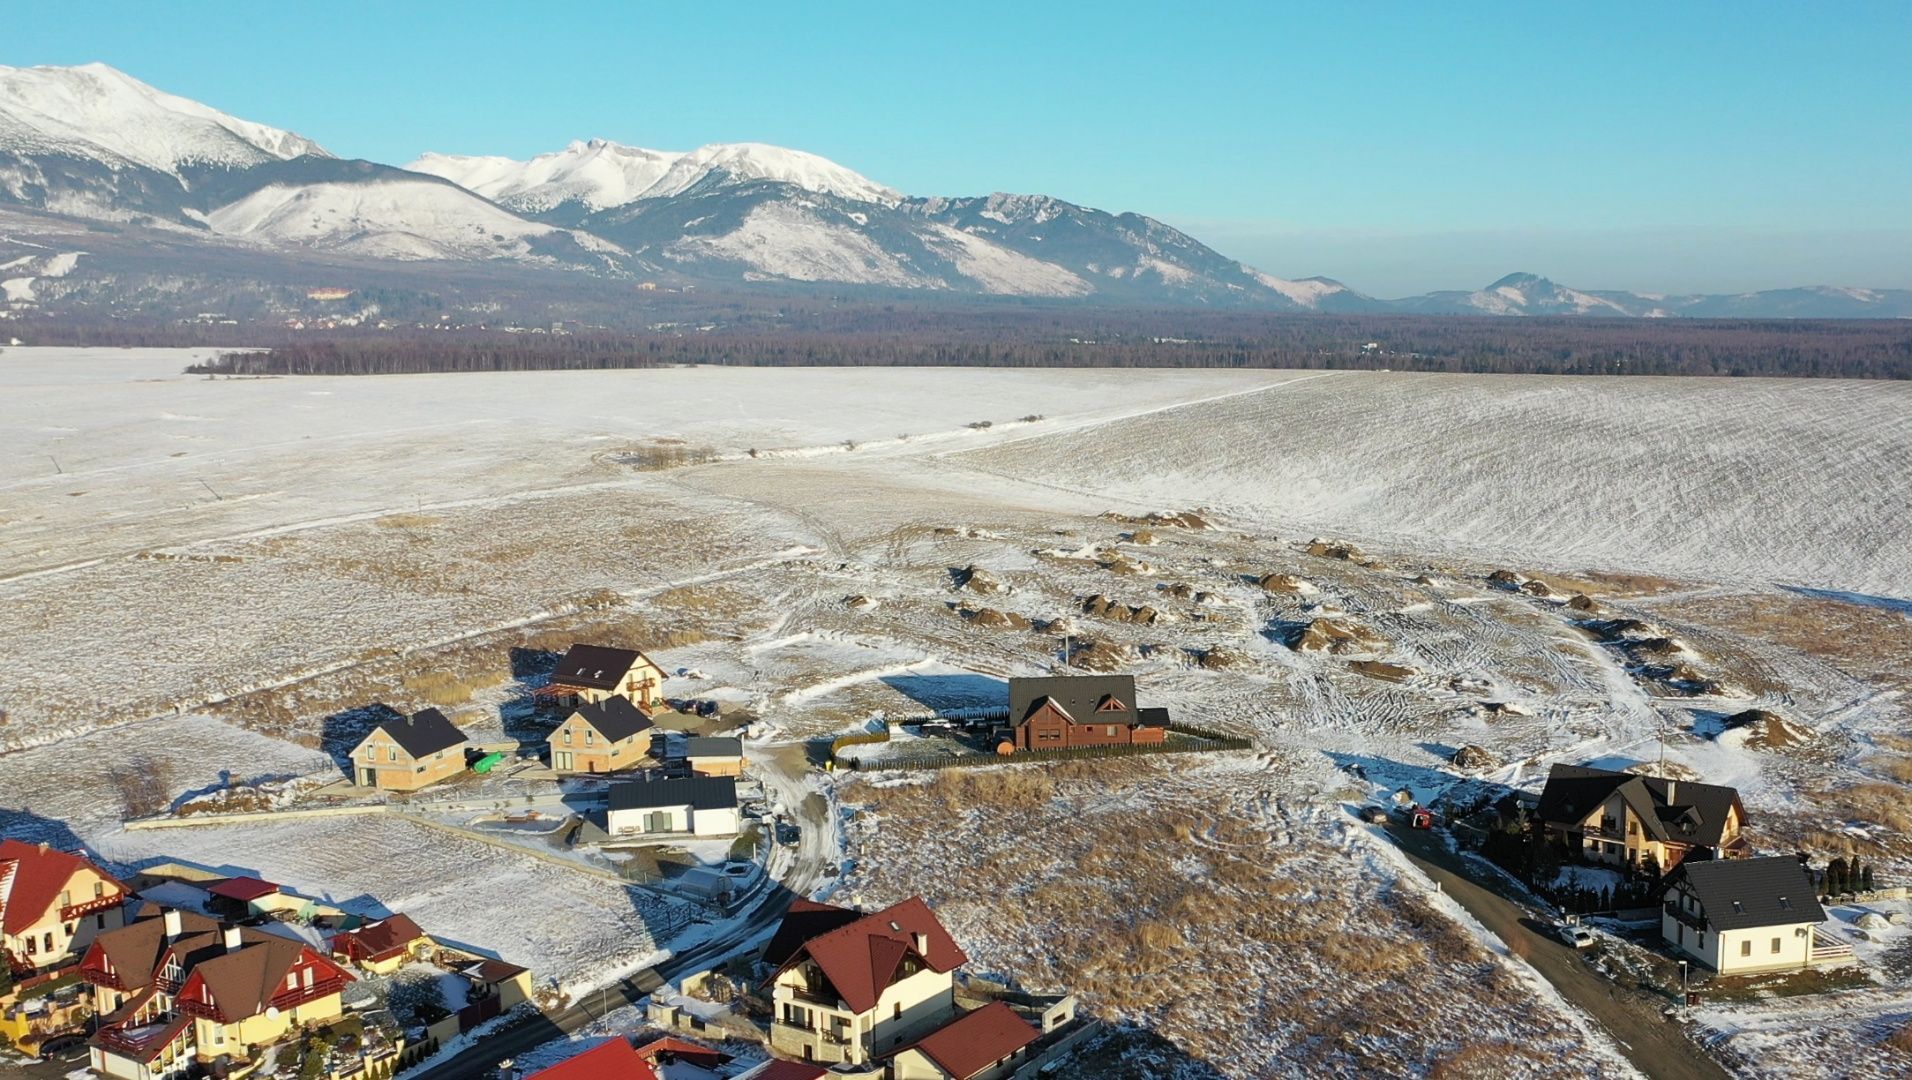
53, 904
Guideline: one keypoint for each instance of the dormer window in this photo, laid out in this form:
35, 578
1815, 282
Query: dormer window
1739, 908
1785, 904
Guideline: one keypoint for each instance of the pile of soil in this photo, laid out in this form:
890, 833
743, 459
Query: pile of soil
991, 619
1334, 636
1118, 563
1583, 602
1220, 658
1182, 590
1646, 650
1187, 519
1376, 669
859, 602
1505, 579
1682, 680
1333, 549
1117, 611
1621, 629
1287, 583
1536, 587
1766, 730
1093, 655
1501, 708
1672, 770
1475, 757
976, 579
1141, 536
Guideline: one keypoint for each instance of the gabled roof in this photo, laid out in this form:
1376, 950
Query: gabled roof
612, 1060
376, 941
31, 878
804, 920
673, 1049
1078, 696
243, 889
696, 792
1696, 815
1738, 894
245, 980
423, 733
597, 667
615, 718
709, 747
863, 958
973, 1042
136, 950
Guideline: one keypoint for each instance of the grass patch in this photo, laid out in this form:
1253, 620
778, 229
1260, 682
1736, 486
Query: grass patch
1785, 984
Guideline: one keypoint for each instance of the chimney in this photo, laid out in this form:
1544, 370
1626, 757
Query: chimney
1669, 791
921, 941
172, 923
232, 939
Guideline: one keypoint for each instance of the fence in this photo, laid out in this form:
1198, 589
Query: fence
1194, 741
864, 738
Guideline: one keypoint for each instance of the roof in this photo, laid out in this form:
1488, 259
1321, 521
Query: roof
708, 747
611, 1060
1151, 718
1741, 893
376, 941
243, 889
973, 1042
423, 733
1696, 815
31, 879
244, 980
680, 1050
134, 951
615, 718
598, 667
696, 792
804, 920
863, 958
492, 972
1077, 695
784, 1070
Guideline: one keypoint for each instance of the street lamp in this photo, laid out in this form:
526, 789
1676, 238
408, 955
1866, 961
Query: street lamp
1683, 998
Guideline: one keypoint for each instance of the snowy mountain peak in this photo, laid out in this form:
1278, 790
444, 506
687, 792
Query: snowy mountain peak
100, 113
600, 174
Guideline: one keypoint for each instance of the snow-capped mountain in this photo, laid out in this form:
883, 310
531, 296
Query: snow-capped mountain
1529, 294
586, 177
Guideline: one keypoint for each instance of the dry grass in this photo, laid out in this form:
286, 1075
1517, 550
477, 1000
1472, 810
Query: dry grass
1901, 1038
1869, 642
408, 521
446, 689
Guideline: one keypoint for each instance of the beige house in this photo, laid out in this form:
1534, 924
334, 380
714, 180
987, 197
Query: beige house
1742, 916
602, 737
408, 754
714, 757
382, 947
177, 992
1623, 819
861, 986
988, 1044
52, 905
591, 673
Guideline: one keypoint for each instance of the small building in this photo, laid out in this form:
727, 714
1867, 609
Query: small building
1070, 712
696, 805
411, 753
602, 737
1747, 915
53, 904
613, 1059
714, 757
1636, 821
382, 947
242, 897
987, 1044
591, 673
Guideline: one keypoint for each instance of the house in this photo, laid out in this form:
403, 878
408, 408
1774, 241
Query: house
242, 897
381, 947
602, 737
53, 904
784, 1070
1074, 711
1746, 915
987, 1044
1636, 821
714, 757
672, 1058
860, 990
178, 993
699, 805
591, 673
613, 1059
410, 753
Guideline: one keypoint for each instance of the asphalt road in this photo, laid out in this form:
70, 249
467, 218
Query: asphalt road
1655, 1046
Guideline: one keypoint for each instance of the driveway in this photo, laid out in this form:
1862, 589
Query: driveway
1655, 1046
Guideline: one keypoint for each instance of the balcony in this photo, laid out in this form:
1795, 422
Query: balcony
293, 998
142, 1042
818, 995
202, 1011
1697, 922
71, 912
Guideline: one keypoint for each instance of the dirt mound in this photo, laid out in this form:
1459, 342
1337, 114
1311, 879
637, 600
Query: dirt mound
1287, 583
1501, 708
1061, 625
1668, 770
1583, 602
1142, 536
1426, 579
1376, 669
1765, 730
1187, 519
1643, 650
1220, 658
1092, 655
1117, 563
1621, 629
1536, 587
1475, 757
1334, 636
1117, 611
991, 619
1683, 680
1505, 579
976, 579
858, 602
1333, 549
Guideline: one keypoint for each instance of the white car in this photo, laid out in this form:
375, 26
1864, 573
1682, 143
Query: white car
1578, 936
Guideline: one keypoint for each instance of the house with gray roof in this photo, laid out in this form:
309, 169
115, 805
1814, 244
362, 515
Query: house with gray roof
1739, 916
409, 752
1624, 819
697, 805
714, 757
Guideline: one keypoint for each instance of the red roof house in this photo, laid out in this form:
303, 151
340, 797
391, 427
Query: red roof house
971, 1044
863, 957
613, 1060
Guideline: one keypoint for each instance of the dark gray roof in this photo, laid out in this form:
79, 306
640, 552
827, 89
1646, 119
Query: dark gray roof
597, 667
708, 747
1078, 695
1740, 893
1152, 717
615, 718
1696, 815
423, 733
697, 792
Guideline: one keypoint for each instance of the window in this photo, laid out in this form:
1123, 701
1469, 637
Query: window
1111, 729
308, 978
1775, 945
898, 1014
1699, 940
99, 921
1785, 904
1746, 948
391, 753
48, 941
590, 738
99, 889
292, 980
567, 736
1739, 908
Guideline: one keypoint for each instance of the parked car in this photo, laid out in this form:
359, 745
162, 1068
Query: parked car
1374, 815
1578, 937
63, 1048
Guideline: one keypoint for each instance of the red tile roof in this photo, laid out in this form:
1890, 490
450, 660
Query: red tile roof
784, 1070
864, 958
243, 889
39, 874
681, 1050
804, 920
613, 1060
969, 1044
380, 940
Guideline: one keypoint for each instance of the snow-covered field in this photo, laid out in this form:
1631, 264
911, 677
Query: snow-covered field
168, 542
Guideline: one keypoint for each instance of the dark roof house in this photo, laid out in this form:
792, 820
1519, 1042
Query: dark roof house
423, 733
615, 718
1081, 696
1741, 894
598, 667
697, 747
1680, 812
696, 792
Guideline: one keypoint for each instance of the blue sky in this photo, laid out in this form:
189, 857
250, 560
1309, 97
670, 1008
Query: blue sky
1399, 148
